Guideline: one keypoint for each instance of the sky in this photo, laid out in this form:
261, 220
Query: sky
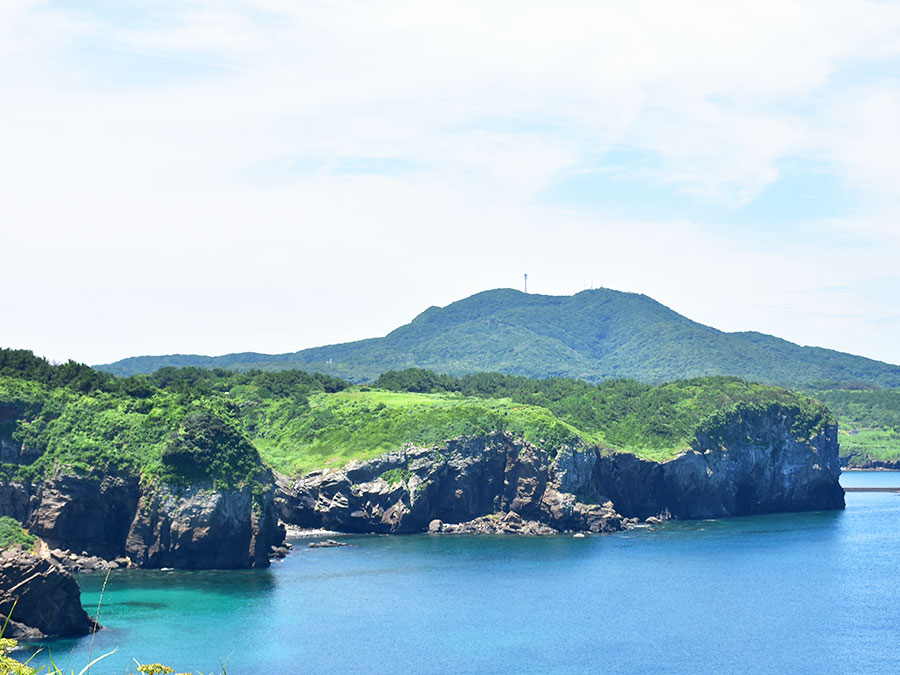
214, 176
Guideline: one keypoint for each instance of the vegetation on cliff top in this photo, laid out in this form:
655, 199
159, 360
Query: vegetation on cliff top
183, 425
870, 423
594, 335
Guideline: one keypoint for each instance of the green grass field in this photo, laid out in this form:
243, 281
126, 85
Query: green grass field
877, 444
364, 424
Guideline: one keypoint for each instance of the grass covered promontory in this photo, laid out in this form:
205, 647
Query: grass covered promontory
192, 424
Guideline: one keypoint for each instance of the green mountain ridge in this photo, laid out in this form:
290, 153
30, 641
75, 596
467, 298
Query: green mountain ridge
593, 335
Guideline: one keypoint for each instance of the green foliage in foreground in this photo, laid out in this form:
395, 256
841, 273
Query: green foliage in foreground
12, 534
194, 425
12, 666
870, 423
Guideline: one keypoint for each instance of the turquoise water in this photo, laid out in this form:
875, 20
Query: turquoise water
801, 593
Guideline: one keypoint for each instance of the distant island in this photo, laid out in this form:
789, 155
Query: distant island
594, 336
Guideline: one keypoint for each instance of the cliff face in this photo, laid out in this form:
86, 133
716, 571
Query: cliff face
201, 529
161, 526
754, 464
40, 598
757, 465
85, 513
457, 482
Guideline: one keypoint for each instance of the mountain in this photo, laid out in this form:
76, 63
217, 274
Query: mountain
593, 335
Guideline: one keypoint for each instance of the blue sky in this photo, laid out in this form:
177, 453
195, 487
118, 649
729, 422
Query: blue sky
269, 175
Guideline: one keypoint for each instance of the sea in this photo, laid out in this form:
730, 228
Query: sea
814, 592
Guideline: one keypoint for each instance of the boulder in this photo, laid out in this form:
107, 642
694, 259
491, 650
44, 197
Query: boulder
40, 597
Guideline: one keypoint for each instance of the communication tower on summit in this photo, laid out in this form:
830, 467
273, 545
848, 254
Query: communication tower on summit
526, 283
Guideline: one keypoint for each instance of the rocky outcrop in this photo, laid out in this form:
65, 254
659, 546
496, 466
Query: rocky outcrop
505, 523
16, 500
757, 464
862, 462
457, 482
199, 528
116, 519
40, 598
753, 463
85, 513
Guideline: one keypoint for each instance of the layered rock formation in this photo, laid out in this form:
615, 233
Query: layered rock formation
40, 598
754, 463
114, 517
201, 529
460, 481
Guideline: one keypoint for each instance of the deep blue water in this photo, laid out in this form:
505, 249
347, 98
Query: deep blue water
801, 593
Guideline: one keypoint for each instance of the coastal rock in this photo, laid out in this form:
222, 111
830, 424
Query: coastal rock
754, 463
16, 500
40, 597
85, 513
499, 523
96, 523
857, 462
328, 543
201, 528
460, 481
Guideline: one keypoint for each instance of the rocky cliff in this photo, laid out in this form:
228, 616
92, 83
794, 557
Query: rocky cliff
755, 462
154, 526
750, 461
456, 482
202, 528
40, 598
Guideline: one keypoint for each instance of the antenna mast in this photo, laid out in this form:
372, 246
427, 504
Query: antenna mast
526, 283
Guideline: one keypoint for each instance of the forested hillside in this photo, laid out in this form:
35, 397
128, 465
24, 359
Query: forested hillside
594, 335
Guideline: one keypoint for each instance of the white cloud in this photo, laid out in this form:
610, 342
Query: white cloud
139, 211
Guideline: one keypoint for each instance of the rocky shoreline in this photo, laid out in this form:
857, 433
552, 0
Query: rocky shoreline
495, 483
502, 484
105, 522
874, 465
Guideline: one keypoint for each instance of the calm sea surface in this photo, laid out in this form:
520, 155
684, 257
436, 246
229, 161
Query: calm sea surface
799, 593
